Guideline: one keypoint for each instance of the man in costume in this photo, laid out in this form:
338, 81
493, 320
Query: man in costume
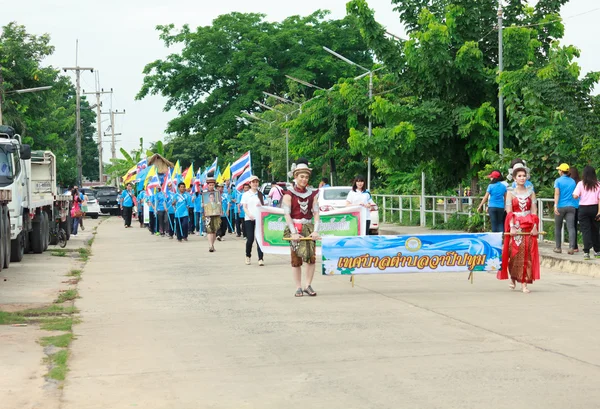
300, 206
213, 222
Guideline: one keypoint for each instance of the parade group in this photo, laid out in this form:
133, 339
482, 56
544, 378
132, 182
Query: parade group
210, 207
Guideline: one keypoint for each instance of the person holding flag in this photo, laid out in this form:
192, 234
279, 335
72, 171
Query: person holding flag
225, 203
170, 222
181, 201
141, 196
127, 201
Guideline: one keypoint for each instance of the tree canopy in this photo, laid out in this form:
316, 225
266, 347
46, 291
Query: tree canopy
46, 119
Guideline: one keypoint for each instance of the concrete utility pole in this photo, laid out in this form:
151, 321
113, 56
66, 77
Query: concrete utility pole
113, 145
78, 70
500, 96
99, 127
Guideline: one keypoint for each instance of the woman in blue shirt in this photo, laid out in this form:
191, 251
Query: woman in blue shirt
564, 208
496, 194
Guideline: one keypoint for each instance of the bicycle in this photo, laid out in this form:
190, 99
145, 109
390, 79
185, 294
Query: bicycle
58, 235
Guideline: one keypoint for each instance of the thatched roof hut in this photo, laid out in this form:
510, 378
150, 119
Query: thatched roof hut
162, 165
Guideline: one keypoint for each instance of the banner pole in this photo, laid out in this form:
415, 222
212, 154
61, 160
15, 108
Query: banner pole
352, 279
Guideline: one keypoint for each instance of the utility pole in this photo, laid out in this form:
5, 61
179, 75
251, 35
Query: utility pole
113, 145
1, 93
78, 70
500, 96
99, 127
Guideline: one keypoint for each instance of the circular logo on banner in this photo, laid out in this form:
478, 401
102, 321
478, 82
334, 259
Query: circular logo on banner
413, 244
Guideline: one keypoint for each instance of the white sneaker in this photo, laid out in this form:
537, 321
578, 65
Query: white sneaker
203, 234
261, 263
247, 261
198, 233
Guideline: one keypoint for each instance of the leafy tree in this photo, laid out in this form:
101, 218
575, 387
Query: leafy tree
224, 67
45, 119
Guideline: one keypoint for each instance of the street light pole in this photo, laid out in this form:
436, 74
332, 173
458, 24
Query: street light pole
500, 96
370, 74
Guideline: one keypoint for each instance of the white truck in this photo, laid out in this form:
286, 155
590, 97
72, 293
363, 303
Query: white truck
36, 207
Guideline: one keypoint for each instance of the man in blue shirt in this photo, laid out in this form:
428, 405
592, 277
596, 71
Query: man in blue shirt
224, 219
140, 207
158, 203
564, 208
170, 221
127, 205
181, 201
198, 211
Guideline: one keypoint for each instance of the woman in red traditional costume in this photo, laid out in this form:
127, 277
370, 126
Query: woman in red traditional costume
520, 257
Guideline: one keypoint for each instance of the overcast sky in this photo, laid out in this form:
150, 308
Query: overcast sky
118, 38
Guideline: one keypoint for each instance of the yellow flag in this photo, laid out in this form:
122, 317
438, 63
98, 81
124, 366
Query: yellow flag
188, 176
149, 175
220, 179
176, 170
130, 175
227, 173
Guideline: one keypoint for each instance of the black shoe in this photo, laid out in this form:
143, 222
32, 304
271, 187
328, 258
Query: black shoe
219, 238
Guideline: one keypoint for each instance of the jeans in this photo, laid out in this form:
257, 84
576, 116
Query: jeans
171, 223
239, 226
589, 228
576, 228
249, 226
181, 227
497, 216
75, 225
198, 222
565, 213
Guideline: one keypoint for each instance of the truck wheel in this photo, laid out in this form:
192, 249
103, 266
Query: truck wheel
17, 248
7, 241
35, 235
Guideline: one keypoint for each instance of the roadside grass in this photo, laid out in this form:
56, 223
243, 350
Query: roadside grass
58, 365
67, 295
59, 341
58, 324
85, 253
53, 315
74, 273
90, 242
59, 253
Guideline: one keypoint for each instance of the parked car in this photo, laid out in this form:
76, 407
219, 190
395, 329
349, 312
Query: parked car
107, 197
335, 198
265, 188
93, 208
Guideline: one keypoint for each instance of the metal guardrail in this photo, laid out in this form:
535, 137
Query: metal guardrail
395, 208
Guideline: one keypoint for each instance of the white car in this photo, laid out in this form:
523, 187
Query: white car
335, 197
93, 208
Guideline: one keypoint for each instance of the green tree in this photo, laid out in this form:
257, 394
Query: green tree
45, 119
224, 67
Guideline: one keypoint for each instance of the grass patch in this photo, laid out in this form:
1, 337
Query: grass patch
8, 318
68, 295
58, 324
75, 273
60, 341
90, 242
46, 314
58, 362
59, 253
85, 253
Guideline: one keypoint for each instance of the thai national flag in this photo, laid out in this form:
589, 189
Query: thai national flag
213, 167
243, 179
154, 182
238, 167
141, 165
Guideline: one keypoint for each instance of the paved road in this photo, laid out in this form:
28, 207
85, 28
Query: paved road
170, 325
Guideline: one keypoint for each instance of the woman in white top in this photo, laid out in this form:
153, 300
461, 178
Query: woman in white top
250, 201
359, 196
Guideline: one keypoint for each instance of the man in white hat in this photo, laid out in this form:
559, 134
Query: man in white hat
300, 206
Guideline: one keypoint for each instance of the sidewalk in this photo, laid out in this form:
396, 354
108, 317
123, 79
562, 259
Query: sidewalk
563, 262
